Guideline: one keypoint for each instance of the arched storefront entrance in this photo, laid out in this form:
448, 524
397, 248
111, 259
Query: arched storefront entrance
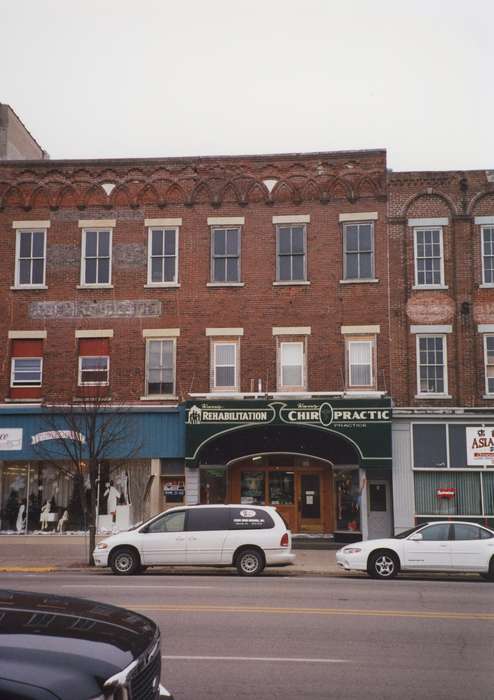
309, 459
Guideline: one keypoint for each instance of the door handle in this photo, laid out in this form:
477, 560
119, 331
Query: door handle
180, 539
443, 546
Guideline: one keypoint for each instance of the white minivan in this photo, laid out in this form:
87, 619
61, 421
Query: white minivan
247, 537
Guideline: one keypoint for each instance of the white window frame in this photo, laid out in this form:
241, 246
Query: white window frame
286, 387
371, 342
431, 394
146, 375
293, 224
215, 387
170, 283
436, 285
16, 385
484, 228
80, 370
372, 277
91, 229
239, 256
18, 284
486, 365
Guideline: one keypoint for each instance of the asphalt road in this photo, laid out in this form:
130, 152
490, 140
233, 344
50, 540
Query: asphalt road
227, 638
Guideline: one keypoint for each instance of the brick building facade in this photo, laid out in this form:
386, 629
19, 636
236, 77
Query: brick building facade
256, 315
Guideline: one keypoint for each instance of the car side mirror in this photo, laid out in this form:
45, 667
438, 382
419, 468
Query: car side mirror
417, 537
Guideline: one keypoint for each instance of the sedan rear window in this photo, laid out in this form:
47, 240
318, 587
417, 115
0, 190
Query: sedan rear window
250, 519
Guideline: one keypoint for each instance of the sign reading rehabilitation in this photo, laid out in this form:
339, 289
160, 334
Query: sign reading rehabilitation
365, 423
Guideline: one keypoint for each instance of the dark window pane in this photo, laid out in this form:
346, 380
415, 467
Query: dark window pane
466, 532
232, 241
38, 271
219, 247
91, 239
38, 244
25, 245
436, 533
201, 519
351, 238
156, 269
281, 488
169, 269
365, 266
104, 271
157, 243
365, 237
104, 244
225, 376
284, 241
170, 242
25, 272
285, 268
91, 271
219, 270
297, 240
252, 488
429, 445
352, 266
232, 269
377, 497
298, 267
172, 522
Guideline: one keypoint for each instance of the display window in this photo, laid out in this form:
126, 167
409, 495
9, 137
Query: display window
347, 501
253, 488
213, 485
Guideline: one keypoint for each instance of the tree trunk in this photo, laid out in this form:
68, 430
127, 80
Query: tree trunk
93, 466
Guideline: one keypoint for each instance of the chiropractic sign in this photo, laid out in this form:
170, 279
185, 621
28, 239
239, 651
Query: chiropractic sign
365, 423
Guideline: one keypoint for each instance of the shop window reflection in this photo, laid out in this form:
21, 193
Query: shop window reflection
281, 488
252, 488
213, 486
347, 501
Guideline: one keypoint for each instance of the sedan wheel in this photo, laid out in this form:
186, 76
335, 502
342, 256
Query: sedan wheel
383, 565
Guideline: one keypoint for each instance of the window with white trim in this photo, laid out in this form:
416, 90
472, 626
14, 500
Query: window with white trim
160, 367
358, 249
360, 363
162, 255
26, 371
489, 363
488, 254
429, 262
30, 265
224, 367
291, 366
94, 370
432, 375
96, 257
225, 254
291, 246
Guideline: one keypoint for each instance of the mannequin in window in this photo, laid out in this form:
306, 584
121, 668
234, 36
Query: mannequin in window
45, 511
62, 521
112, 497
21, 517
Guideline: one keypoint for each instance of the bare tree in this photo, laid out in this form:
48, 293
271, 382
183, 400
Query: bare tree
87, 432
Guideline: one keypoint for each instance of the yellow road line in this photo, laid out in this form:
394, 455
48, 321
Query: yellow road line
432, 615
27, 569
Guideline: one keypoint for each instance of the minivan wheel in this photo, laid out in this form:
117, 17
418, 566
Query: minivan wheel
383, 565
125, 562
249, 562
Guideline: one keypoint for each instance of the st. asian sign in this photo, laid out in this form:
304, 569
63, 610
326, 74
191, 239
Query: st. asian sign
365, 423
480, 446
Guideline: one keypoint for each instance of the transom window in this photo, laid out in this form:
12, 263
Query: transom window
26, 371
160, 368
96, 257
224, 368
30, 259
429, 257
291, 370
162, 256
360, 363
291, 253
225, 254
431, 365
94, 371
489, 363
358, 246
488, 254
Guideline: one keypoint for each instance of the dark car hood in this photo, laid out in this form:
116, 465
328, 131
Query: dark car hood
52, 641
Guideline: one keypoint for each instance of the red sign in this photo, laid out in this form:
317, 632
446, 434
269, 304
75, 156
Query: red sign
446, 493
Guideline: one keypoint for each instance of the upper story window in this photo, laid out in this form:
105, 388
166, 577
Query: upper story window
360, 363
291, 366
291, 256
163, 256
489, 363
224, 366
358, 251
26, 371
488, 254
30, 265
96, 257
225, 254
94, 371
160, 367
432, 376
429, 260
26, 368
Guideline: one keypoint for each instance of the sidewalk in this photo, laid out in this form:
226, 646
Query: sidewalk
44, 553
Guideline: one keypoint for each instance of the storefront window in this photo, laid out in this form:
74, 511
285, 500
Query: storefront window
465, 493
252, 488
347, 501
213, 485
173, 481
281, 488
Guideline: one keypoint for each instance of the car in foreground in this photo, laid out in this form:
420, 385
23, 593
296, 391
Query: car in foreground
442, 546
247, 537
61, 648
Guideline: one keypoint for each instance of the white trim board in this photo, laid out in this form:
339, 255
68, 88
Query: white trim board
31, 224
359, 216
484, 220
292, 219
162, 222
97, 223
222, 332
427, 330
439, 221
292, 330
161, 332
360, 330
101, 333
27, 335
226, 220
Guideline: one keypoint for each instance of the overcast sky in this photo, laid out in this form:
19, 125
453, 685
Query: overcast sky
131, 78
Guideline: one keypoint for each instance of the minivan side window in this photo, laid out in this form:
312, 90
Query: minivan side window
200, 519
250, 519
172, 522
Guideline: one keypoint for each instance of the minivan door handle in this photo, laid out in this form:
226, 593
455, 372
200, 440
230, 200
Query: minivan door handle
180, 539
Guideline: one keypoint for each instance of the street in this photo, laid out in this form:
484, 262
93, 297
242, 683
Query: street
226, 637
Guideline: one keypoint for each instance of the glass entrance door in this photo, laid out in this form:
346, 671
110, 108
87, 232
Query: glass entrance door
310, 502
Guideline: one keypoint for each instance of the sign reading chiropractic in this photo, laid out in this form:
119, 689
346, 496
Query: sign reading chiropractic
365, 423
